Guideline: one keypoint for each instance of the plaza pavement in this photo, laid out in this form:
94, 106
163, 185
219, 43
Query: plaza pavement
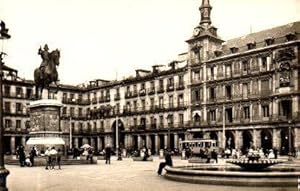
122, 175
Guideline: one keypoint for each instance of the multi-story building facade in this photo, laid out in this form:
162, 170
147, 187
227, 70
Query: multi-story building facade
243, 92
149, 109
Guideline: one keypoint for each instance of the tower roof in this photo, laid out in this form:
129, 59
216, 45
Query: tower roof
205, 10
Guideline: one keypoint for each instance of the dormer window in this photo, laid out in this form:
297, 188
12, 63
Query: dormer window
234, 50
173, 64
290, 36
251, 45
218, 53
269, 41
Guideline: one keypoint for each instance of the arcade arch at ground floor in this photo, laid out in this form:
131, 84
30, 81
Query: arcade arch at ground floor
281, 138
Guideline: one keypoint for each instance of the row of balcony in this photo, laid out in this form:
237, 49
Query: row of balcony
18, 95
182, 125
159, 126
275, 118
263, 93
152, 91
133, 128
231, 74
17, 113
87, 131
129, 94
143, 110
154, 109
108, 112
16, 130
76, 101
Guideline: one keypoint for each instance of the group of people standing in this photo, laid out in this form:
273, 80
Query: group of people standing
53, 157
209, 154
26, 160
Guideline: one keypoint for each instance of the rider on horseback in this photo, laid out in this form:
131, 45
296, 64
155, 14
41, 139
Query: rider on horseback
45, 57
47, 72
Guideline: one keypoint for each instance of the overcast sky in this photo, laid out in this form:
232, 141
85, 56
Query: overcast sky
99, 39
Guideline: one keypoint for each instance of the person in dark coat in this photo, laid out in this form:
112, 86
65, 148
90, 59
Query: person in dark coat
48, 158
275, 152
214, 155
90, 155
58, 158
32, 154
146, 154
107, 154
22, 156
208, 154
75, 153
17, 152
168, 162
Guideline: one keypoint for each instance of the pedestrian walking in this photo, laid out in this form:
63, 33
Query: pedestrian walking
168, 162
32, 154
275, 152
208, 154
53, 154
22, 156
146, 154
107, 154
58, 158
17, 152
214, 155
48, 158
90, 155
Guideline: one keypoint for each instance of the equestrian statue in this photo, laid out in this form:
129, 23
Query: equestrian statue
47, 72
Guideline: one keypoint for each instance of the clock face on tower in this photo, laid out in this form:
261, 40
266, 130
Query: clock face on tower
196, 31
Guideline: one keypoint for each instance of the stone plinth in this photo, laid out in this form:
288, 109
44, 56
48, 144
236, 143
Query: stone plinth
45, 123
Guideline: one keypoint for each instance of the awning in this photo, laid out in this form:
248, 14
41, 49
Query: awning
45, 141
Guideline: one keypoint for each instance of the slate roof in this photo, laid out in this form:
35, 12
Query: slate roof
261, 36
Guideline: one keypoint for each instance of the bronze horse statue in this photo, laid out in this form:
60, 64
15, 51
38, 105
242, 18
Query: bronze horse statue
44, 76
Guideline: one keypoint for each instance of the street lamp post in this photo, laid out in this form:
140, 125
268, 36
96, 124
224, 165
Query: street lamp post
290, 144
3, 172
169, 138
223, 129
118, 154
117, 138
70, 126
70, 132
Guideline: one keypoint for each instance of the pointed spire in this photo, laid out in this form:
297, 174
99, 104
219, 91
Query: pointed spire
205, 12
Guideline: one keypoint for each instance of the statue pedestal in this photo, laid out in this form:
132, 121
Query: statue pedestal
45, 124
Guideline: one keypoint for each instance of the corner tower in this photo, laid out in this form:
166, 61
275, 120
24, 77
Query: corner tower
204, 41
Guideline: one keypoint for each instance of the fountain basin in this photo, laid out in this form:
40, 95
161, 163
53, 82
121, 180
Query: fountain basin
230, 175
254, 165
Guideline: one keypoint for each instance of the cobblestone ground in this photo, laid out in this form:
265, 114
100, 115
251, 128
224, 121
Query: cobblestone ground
120, 175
